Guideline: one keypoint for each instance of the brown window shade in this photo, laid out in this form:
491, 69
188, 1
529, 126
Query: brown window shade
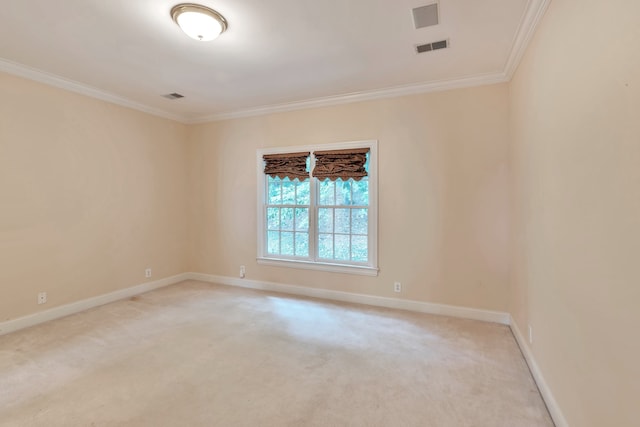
286, 165
343, 164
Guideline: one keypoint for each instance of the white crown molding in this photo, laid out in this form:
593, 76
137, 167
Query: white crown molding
392, 92
79, 306
553, 407
531, 17
72, 86
402, 304
533, 13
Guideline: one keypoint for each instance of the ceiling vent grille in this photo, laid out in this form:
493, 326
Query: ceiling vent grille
425, 16
428, 47
173, 95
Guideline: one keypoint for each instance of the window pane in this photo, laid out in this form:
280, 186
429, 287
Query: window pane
273, 218
302, 244
361, 192
302, 219
273, 242
360, 221
302, 193
288, 192
274, 191
286, 243
343, 192
342, 247
325, 220
359, 248
342, 221
325, 246
327, 196
286, 218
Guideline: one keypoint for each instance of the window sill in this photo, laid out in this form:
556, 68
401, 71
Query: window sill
307, 265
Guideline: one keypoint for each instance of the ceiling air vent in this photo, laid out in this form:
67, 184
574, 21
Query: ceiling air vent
425, 16
428, 47
173, 95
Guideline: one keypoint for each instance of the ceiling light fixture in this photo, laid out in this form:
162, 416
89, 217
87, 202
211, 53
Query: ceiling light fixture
198, 22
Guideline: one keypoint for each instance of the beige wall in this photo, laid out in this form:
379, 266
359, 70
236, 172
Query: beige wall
575, 131
443, 212
91, 194
94, 193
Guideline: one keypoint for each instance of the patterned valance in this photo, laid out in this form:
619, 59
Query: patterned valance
343, 164
286, 165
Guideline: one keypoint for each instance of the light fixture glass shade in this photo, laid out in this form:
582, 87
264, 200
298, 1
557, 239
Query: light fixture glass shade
198, 22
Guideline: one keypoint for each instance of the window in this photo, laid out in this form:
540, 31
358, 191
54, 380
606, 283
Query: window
317, 207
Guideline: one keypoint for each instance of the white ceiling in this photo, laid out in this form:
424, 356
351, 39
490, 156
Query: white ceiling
276, 54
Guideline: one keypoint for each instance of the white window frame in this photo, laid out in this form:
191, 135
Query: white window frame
368, 269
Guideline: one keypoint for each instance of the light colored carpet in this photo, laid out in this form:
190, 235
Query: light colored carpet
196, 354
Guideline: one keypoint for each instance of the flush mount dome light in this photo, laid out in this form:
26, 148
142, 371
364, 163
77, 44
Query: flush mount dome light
199, 22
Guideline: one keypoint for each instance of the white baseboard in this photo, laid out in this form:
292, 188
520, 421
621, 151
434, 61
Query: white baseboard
76, 307
545, 391
422, 307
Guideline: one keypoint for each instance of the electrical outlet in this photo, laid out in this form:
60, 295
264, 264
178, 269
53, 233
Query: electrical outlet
147, 273
397, 287
530, 335
242, 271
42, 297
